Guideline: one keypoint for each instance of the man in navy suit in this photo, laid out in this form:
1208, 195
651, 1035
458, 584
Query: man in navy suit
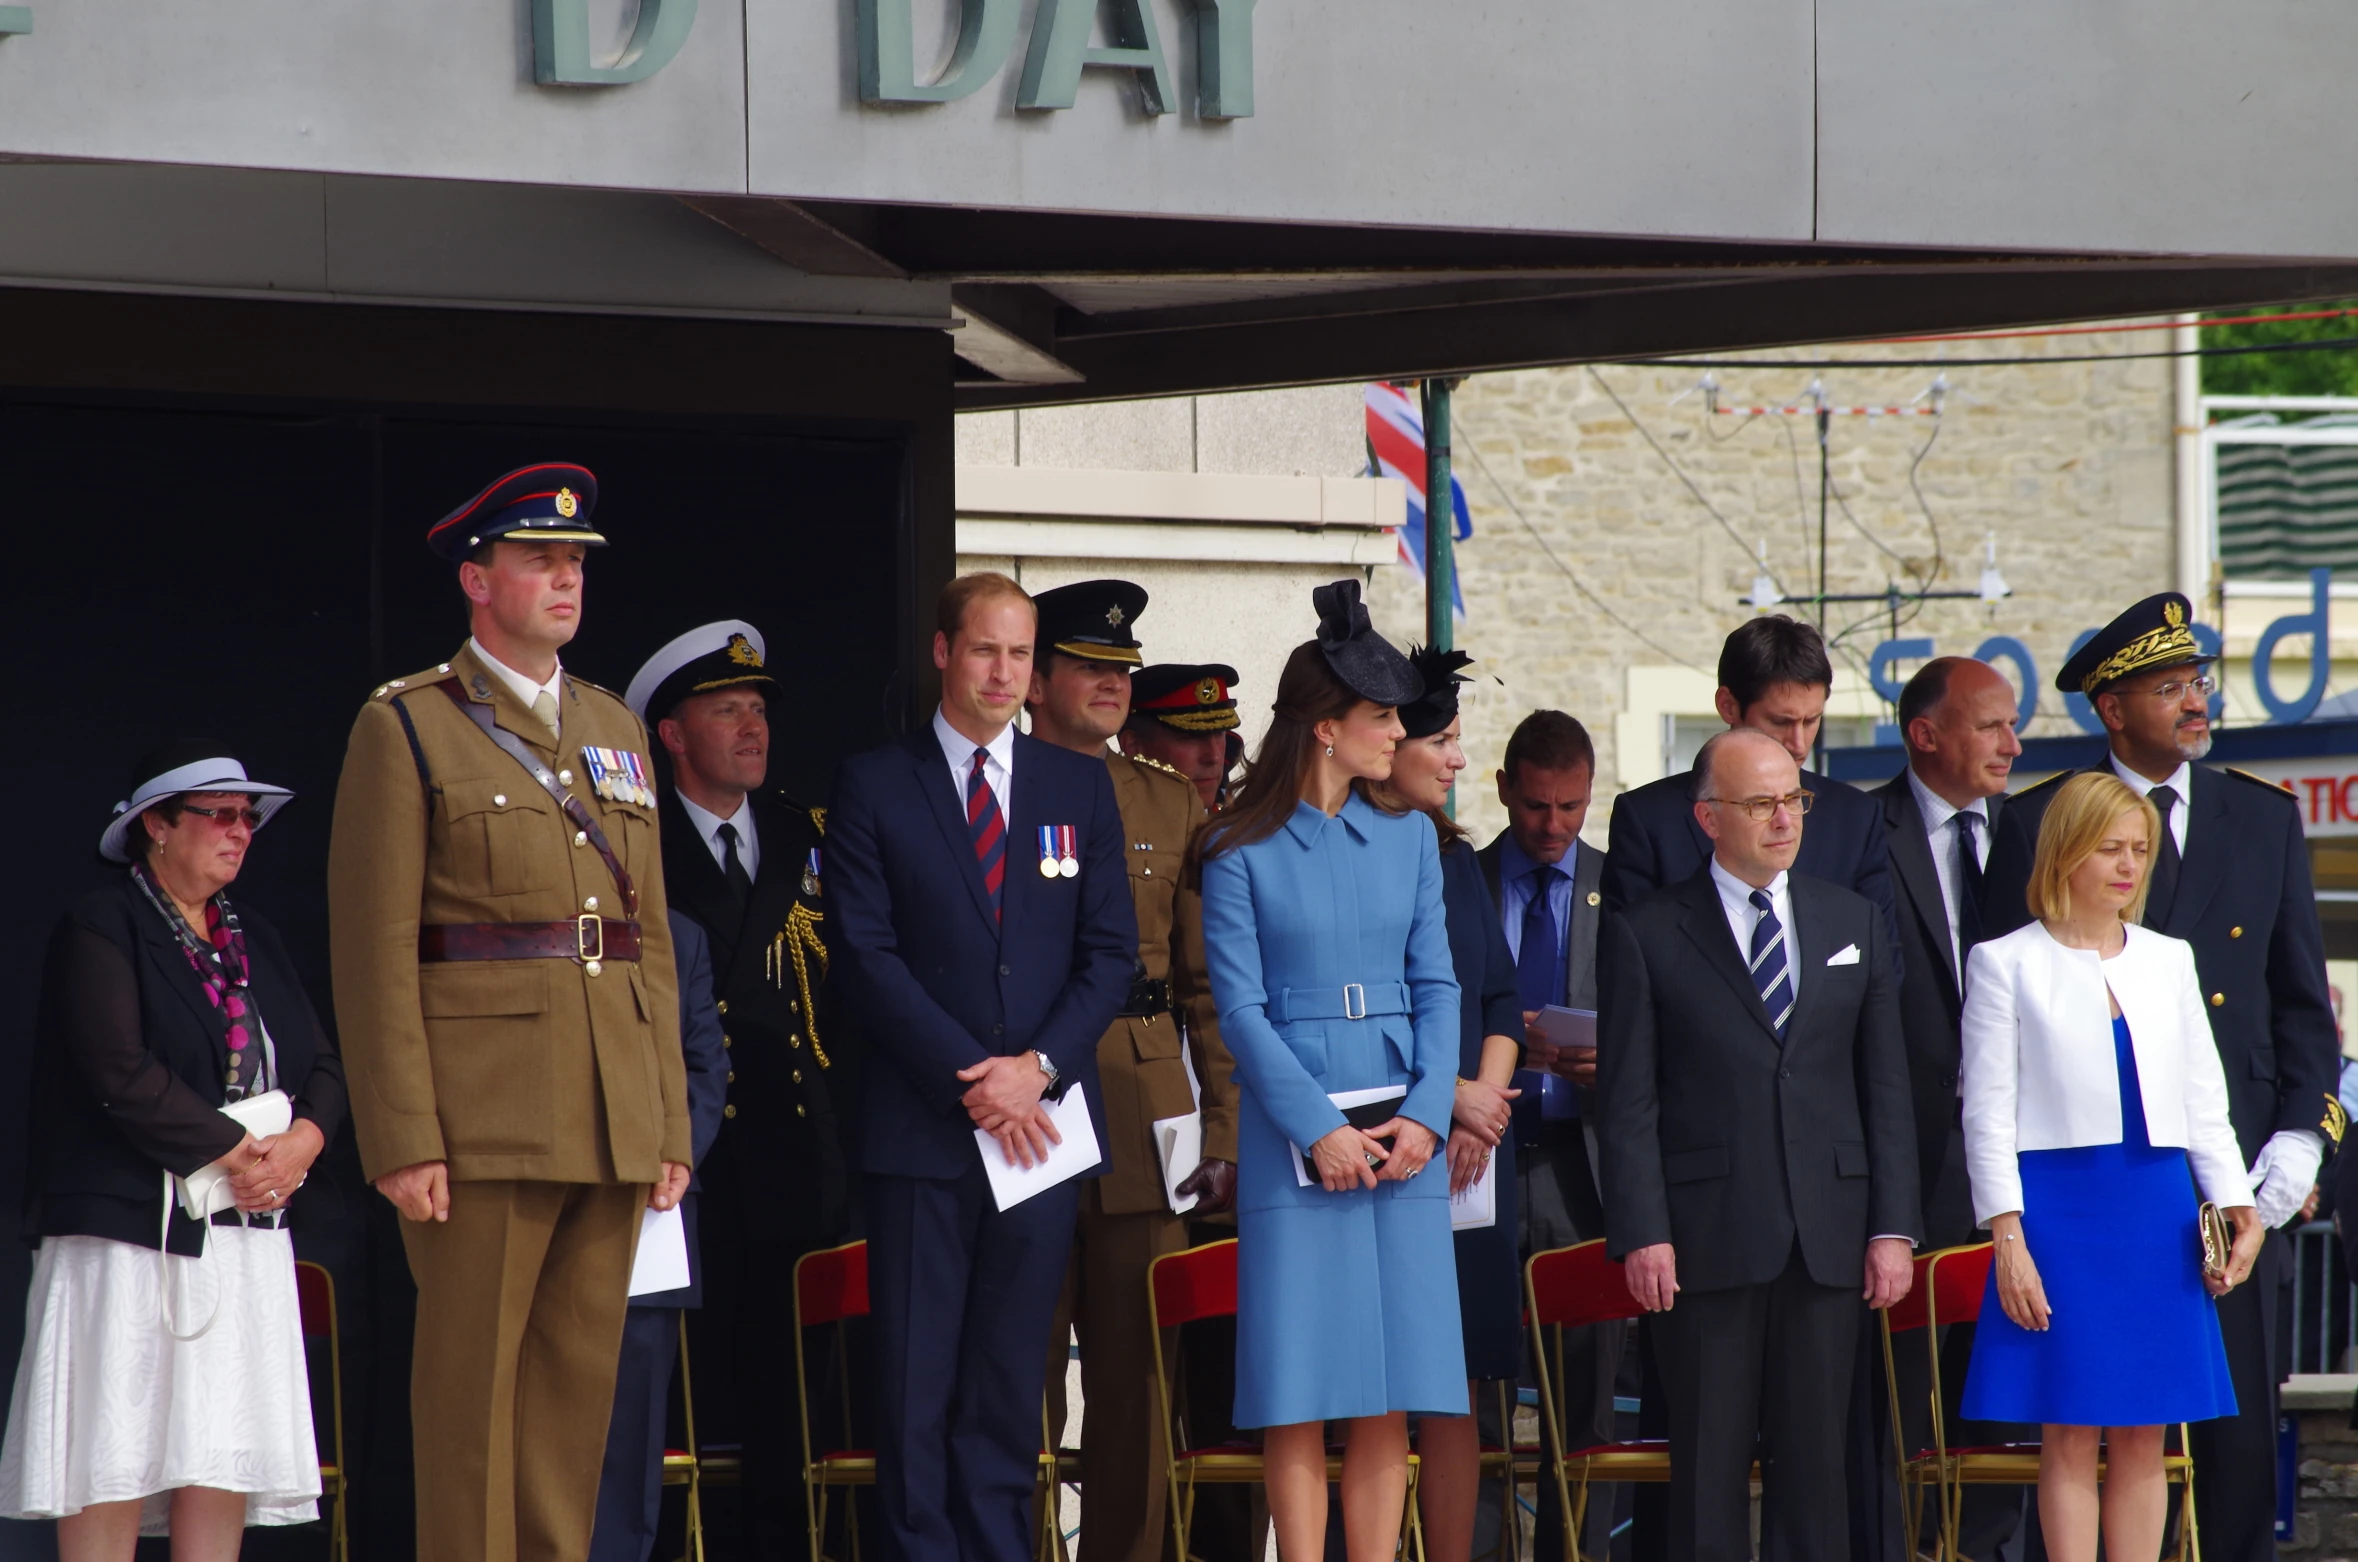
1774, 677
983, 912
630, 1487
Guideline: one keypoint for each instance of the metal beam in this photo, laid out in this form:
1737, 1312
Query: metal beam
1009, 334
795, 236
1781, 311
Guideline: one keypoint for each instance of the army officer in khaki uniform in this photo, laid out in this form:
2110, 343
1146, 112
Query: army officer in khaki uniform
1080, 696
510, 1025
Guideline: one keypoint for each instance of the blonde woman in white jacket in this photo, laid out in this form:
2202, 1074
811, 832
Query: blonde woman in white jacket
2094, 1108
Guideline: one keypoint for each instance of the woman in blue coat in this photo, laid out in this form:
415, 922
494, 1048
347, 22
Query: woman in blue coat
1489, 1278
1330, 963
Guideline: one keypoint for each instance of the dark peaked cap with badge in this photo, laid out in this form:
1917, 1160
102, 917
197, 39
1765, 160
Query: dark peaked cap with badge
1186, 696
550, 502
723, 655
2157, 632
1091, 619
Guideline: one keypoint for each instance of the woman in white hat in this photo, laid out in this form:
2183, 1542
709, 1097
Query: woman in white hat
177, 1065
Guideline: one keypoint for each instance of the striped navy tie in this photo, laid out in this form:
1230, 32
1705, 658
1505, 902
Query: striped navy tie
1769, 961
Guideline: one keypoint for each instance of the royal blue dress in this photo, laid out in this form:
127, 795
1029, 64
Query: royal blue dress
2133, 1338
1330, 961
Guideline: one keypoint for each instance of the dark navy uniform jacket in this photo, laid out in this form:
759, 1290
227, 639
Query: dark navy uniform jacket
2246, 904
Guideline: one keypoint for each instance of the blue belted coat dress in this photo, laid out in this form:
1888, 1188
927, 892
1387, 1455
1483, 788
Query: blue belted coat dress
1330, 962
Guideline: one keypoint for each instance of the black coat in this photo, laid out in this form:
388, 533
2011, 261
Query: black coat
1931, 999
1718, 1139
2246, 904
128, 1063
778, 1171
1655, 842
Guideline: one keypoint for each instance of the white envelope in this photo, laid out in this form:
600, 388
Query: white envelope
1477, 1206
662, 1261
1347, 1099
1179, 1147
1012, 1184
1848, 954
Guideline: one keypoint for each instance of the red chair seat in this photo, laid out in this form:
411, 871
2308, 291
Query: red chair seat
1641, 1445
837, 1455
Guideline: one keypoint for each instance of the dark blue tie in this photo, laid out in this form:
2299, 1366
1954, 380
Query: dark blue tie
1768, 963
1539, 981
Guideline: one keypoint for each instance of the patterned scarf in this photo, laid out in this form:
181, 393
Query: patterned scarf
218, 957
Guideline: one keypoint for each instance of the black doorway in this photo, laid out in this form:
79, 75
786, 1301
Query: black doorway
252, 575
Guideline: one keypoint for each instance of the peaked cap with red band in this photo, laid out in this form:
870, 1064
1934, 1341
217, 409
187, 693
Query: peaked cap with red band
550, 502
1186, 697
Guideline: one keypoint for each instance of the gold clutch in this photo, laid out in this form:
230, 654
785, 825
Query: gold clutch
2217, 1241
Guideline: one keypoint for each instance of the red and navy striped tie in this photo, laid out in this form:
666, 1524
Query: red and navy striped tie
987, 829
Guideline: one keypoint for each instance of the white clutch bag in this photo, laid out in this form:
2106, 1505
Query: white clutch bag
205, 1192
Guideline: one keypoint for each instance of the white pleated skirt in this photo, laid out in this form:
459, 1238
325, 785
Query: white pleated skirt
109, 1407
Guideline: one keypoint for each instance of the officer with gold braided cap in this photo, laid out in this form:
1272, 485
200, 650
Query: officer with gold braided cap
748, 864
1183, 715
2230, 876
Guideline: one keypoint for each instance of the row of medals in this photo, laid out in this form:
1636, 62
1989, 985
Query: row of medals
1060, 867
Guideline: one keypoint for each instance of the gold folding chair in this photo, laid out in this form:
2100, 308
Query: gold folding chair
315, 1300
1184, 1288
830, 1287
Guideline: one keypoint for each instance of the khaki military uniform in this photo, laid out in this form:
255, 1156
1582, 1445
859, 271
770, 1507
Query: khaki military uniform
552, 1088
1126, 1221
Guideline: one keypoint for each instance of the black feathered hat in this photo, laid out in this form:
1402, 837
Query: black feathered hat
1369, 665
1436, 708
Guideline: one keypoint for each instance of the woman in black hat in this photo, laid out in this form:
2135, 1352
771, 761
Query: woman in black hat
1330, 962
177, 1064
1424, 770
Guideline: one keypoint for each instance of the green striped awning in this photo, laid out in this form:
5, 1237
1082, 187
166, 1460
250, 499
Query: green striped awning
2287, 509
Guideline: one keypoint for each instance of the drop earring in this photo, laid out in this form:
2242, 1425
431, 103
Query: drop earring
1330, 751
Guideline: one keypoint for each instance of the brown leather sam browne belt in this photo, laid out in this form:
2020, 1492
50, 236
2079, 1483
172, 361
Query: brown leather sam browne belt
588, 939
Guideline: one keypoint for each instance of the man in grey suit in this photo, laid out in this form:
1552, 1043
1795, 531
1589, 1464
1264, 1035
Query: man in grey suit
1957, 718
1549, 898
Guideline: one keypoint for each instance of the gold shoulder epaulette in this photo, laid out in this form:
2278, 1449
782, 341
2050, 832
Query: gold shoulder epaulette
417, 680
2336, 1122
2245, 775
793, 804
1156, 764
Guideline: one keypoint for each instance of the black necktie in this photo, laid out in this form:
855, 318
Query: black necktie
733, 867
2164, 891
1968, 884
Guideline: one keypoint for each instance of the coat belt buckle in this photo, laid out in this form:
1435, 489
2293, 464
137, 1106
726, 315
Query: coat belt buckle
589, 938
1354, 1001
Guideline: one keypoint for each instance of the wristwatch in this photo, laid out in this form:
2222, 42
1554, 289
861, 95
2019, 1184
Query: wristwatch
1048, 1067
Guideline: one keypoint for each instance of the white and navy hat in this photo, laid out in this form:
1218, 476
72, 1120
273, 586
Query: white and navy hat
176, 769
711, 656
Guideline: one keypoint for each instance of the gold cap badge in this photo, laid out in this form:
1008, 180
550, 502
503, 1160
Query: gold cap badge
1113, 615
741, 652
1207, 692
567, 504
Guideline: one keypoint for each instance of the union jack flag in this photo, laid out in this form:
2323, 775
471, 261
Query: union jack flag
1396, 448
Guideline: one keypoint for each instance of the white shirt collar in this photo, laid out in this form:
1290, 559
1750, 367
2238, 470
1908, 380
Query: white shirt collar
1938, 810
1735, 900
708, 825
521, 687
958, 748
1735, 894
2180, 780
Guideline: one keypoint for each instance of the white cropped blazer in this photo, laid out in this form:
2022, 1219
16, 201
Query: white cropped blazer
2038, 1070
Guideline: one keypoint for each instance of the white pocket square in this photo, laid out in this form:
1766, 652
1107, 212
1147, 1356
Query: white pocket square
1848, 956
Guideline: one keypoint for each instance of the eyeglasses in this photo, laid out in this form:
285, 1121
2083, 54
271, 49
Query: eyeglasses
1761, 809
227, 818
2176, 688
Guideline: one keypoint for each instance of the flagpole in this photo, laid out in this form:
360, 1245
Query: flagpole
1440, 519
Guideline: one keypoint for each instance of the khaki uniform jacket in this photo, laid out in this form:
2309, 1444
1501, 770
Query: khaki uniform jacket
1138, 1060
531, 1070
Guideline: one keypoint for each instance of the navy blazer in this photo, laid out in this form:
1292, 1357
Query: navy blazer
938, 984
708, 1087
1655, 843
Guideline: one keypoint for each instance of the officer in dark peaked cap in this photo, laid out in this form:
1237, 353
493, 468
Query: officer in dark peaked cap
748, 864
1184, 715
1080, 693
510, 1023
2230, 876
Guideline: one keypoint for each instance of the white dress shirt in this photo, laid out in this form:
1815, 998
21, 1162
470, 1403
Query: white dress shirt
998, 769
1735, 898
2181, 781
521, 687
708, 825
1947, 838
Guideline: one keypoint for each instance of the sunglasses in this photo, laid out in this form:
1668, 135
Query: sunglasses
225, 818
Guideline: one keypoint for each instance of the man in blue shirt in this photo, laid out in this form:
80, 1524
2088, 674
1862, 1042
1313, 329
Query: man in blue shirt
1549, 890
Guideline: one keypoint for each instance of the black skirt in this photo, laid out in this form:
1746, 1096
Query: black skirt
1490, 1280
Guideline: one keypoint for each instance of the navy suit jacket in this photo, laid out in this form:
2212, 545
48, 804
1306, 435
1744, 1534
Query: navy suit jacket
938, 984
708, 1085
1655, 843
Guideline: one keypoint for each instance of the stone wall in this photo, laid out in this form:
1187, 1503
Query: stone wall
1599, 582
2325, 1510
